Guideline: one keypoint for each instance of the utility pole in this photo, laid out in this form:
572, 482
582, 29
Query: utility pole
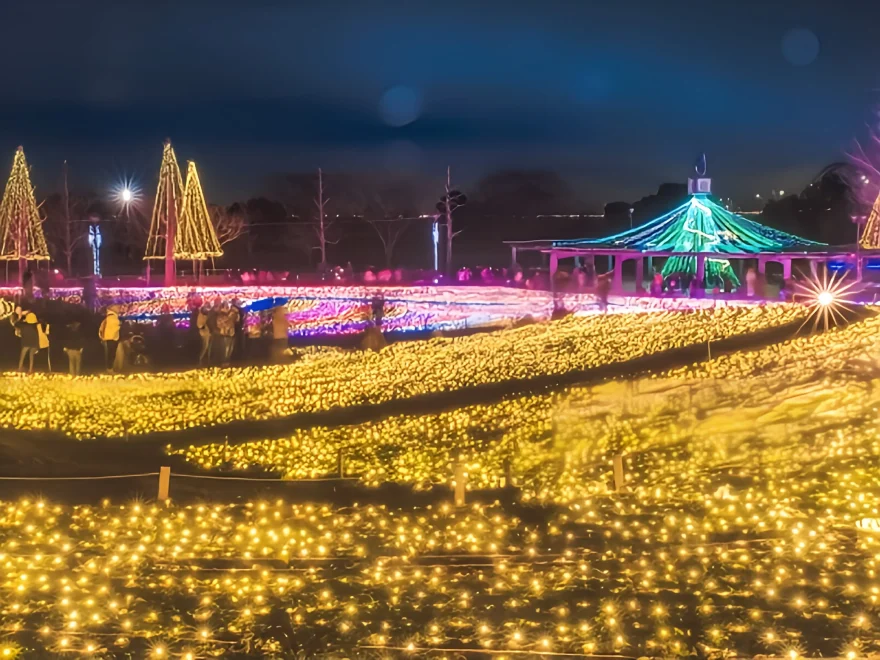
171, 226
447, 204
449, 234
68, 247
322, 236
22, 244
170, 229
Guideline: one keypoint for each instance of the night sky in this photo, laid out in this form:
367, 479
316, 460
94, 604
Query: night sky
617, 96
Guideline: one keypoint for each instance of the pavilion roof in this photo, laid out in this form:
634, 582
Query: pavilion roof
699, 225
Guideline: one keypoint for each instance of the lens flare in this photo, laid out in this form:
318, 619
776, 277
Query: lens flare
126, 192
827, 298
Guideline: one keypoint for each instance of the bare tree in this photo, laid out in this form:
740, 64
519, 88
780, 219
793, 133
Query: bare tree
323, 223
447, 204
863, 175
66, 222
134, 228
389, 231
230, 223
391, 211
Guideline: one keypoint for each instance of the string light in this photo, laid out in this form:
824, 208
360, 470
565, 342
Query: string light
21, 230
104, 405
333, 310
168, 199
870, 239
195, 237
420, 450
734, 538
699, 225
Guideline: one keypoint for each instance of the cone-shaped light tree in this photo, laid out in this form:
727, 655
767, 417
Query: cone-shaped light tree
195, 237
871, 233
161, 240
21, 230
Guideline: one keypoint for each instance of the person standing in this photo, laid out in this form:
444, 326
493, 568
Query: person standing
43, 343
108, 333
227, 321
122, 358
657, 284
204, 334
26, 326
73, 346
377, 310
279, 333
751, 282
216, 350
239, 344
603, 288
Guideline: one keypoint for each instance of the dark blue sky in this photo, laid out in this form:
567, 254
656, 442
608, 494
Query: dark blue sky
618, 96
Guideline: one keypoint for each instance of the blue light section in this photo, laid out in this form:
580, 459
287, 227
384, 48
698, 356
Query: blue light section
95, 241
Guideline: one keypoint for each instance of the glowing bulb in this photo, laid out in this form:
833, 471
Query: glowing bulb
825, 298
126, 195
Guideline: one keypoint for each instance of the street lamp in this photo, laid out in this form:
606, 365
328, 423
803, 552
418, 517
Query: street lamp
126, 192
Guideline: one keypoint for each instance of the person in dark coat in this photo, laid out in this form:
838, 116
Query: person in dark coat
73, 346
30, 339
603, 288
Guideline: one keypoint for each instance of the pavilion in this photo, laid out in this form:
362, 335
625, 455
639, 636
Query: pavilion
700, 238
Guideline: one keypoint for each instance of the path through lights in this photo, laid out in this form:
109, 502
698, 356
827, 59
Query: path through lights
828, 298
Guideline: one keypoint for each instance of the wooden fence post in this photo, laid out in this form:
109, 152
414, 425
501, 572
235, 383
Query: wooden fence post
460, 477
619, 482
164, 483
507, 477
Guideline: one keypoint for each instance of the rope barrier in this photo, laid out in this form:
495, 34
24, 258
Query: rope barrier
179, 476
111, 476
287, 481
487, 651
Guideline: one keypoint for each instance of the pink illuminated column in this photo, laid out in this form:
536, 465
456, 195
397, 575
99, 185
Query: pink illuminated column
617, 282
640, 275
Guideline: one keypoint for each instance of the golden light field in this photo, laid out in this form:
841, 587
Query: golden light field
749, 526
113, 406
555, 442
761, 556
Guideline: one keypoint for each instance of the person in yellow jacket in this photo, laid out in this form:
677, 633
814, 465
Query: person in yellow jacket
108, 333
